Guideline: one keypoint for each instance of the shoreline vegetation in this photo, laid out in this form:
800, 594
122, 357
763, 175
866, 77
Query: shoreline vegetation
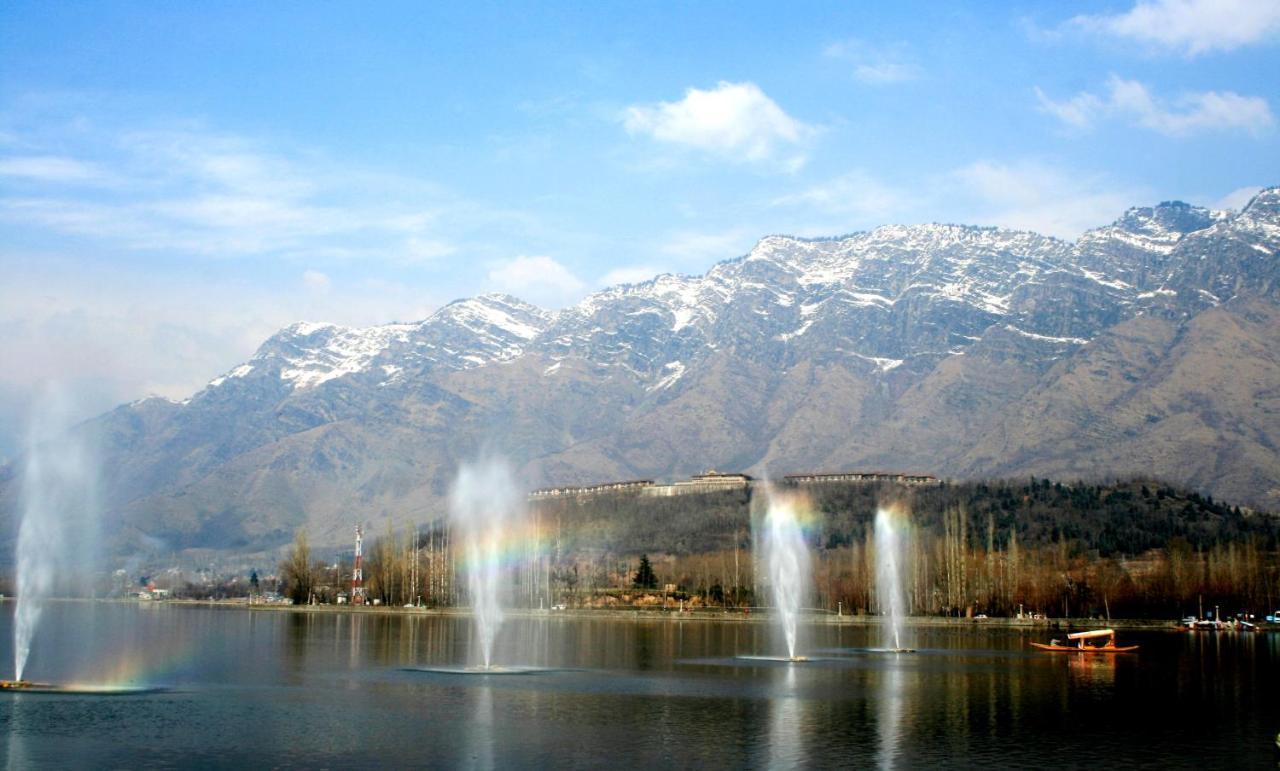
1011, 550
1134, 549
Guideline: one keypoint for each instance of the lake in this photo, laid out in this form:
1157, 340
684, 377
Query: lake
264, 688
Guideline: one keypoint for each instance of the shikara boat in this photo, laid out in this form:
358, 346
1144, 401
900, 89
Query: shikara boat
1082, 646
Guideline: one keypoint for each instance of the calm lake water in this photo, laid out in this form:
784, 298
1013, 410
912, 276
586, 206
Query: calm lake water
261, 689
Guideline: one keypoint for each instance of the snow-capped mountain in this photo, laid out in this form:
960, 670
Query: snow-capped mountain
1146, 346
464, 334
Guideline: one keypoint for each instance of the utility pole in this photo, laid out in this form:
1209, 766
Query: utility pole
357, 570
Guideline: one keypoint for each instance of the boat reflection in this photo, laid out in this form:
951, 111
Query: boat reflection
1092, 671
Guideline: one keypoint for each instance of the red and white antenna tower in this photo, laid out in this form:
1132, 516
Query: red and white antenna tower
357, 571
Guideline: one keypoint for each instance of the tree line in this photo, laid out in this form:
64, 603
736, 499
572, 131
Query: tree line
1134, 548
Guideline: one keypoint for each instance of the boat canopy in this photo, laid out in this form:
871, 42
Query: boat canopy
1091, 635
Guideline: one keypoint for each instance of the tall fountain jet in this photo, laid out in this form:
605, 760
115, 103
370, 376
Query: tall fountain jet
59, 518
786, 558
487, 509
890, 534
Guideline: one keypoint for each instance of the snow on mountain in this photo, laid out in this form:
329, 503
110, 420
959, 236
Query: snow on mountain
886, 296
463, 334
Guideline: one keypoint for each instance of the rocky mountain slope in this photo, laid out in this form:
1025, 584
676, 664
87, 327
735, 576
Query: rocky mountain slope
1150, 346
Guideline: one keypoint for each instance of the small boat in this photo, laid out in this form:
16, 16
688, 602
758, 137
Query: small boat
1081, 646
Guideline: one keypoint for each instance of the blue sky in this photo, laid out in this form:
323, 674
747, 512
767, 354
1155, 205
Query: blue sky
179, 180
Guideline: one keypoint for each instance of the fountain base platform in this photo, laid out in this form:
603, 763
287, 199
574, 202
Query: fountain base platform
495, 670
73, 689
780, 659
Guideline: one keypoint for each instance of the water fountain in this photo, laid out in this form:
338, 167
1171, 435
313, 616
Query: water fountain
786, 559
58, 525
890, 535
487, 511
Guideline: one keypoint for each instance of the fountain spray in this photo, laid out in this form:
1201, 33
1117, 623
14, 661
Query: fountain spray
59, 517
890, 547
786, 557
489, 512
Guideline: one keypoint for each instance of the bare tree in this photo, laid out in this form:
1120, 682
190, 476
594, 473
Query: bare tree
296, 569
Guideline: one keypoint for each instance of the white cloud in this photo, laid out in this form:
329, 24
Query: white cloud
735, 121
418, 249
856, 197
316, 282
1237, 199
1190, 27
629, 274
1021, 194
1191, 113
49, 168
875, 65
197, 192
1080, 111
538, 279
1044, 199
695, 249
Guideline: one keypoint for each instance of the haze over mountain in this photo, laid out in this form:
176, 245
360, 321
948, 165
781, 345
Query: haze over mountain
1147, 347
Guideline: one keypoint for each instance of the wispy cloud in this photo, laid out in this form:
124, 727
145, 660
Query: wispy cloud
629, 274
875, 65
1039, 197
316, 282
200, 192
1237, 199
698, 249
1189, 27
50, 168
733, 121
538, 278
1021, 194
857, 197
1190, 113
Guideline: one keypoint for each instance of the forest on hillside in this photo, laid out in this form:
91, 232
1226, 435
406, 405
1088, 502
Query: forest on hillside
1134, 548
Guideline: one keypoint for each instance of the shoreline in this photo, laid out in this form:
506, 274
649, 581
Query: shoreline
738, 617
759, 616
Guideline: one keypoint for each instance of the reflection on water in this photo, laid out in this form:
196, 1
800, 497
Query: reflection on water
889, 719
787, 725
328, 689
482, 729
1092, 671
19, 719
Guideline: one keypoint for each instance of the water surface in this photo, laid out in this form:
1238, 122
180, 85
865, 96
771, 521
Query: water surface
322, 689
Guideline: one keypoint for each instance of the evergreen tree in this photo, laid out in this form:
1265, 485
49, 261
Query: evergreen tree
645, 579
